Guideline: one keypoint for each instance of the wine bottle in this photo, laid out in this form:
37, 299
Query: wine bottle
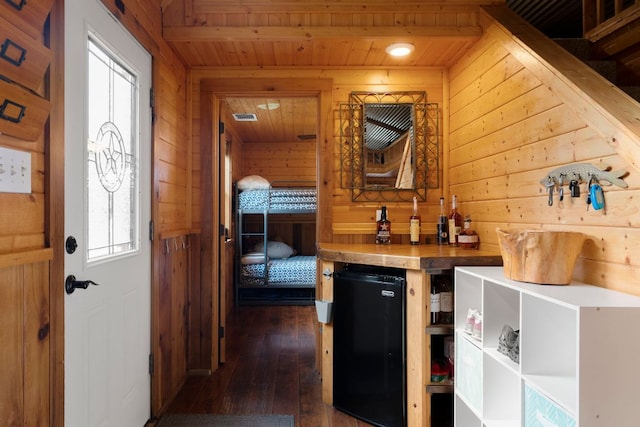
383, 228
446, 298
414, 224
434, 302
442, 230
455, 223
468, 239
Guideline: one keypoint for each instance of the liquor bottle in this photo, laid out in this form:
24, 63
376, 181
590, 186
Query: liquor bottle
414, 224
455, 223
383, 228
442, 236
468, 239
434, 301
446, 298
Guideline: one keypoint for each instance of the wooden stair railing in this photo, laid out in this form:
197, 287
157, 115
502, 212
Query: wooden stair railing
603, 17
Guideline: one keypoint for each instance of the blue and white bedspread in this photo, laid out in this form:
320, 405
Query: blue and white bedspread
278, 200
296, 271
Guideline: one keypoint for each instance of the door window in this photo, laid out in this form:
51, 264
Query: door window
112, 147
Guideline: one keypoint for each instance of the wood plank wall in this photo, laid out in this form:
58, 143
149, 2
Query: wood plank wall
171, 359
172, 220
280, 161
507, 131
25, 345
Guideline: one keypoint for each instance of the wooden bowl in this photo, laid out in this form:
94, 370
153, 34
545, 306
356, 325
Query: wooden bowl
540, 256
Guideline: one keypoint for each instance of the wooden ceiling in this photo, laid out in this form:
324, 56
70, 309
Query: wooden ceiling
336, 33
277, 119
312, 33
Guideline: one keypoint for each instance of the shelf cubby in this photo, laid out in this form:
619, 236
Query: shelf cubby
570, 347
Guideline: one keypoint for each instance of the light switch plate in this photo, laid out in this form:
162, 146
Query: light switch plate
15, 171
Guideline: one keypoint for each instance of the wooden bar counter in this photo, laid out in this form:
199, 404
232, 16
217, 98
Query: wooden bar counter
420, 262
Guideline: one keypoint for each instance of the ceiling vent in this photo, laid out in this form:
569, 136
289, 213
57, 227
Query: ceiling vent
307, 137
245, 117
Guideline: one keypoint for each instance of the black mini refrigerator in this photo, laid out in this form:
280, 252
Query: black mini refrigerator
369, 345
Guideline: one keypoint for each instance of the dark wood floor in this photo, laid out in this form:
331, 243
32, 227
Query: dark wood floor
270, 369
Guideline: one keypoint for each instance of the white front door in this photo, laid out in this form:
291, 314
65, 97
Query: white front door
107, 212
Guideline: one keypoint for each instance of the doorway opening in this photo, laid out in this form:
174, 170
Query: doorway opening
215, 125
275, 197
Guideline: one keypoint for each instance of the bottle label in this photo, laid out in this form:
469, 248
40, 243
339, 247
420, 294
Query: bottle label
383, 238
452, 231
383, 234
435, 303
443, 233
468, 238
414, 230
446, 302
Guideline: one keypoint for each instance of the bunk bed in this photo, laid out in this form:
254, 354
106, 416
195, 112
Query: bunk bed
275, 256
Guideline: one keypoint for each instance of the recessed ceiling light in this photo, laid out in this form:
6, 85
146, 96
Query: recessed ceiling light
269, 106
400, 49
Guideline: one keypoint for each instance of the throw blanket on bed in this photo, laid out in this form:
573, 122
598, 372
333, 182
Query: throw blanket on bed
298, 199
297, 270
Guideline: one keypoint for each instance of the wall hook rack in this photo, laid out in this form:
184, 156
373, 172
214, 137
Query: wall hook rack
577, 173
583, 172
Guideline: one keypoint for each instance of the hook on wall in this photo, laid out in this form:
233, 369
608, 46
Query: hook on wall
173, 245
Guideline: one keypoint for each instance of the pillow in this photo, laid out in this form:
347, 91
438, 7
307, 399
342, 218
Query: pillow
275, 249
253, 182
252, 258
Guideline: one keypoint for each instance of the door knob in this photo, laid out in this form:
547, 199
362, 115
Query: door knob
71, 284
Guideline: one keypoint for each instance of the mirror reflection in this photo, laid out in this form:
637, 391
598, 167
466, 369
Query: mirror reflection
389, 146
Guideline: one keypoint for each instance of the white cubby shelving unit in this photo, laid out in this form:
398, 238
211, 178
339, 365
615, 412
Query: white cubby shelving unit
579, 357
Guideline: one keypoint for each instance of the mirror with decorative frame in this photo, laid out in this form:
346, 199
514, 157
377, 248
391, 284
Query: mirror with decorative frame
389, 145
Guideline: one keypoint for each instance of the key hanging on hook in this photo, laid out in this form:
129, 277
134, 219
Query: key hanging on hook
574, 188
550, 186
589, 191
596, 194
